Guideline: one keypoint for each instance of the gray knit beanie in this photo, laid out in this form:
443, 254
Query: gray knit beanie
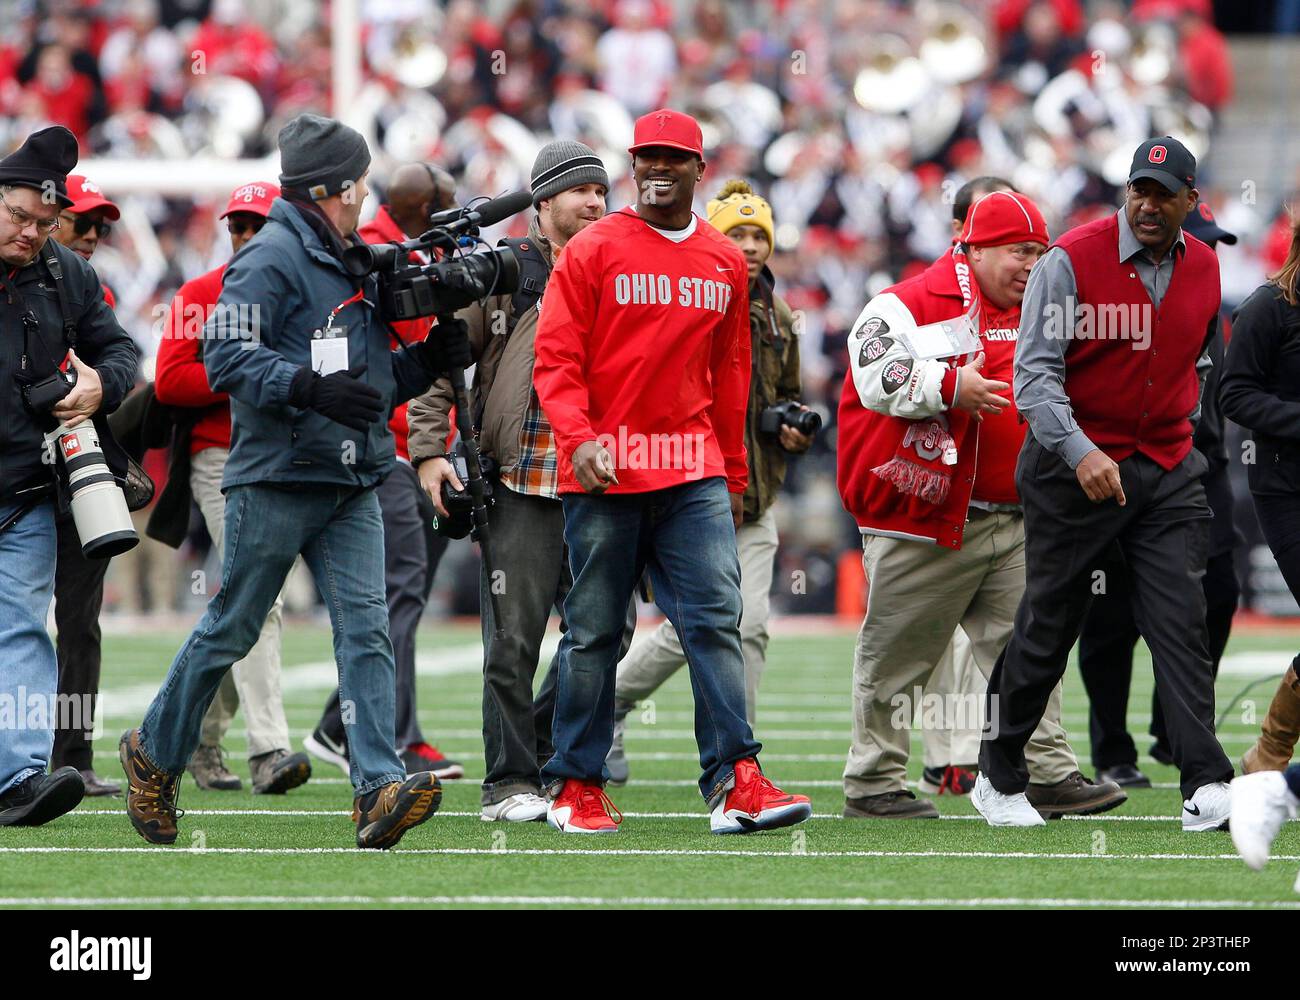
565, 164
321, 156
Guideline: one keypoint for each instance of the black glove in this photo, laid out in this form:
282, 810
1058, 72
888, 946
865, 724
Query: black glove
341, 396
446, 347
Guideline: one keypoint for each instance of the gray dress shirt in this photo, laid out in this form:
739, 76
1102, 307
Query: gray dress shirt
1040, 351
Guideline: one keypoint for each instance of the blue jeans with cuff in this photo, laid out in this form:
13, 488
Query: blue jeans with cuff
340, 533
28, 669
685, 537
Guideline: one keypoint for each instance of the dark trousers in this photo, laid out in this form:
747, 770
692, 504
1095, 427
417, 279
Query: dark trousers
412, 550
531, 577
78, 598
1106, 654
1163, 532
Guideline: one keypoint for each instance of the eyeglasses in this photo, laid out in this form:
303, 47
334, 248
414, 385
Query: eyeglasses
240, 227
24, 219
82, 224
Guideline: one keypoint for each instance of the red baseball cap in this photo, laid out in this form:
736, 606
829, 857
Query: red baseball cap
1002, 217
666, 127
86, 197
255, 197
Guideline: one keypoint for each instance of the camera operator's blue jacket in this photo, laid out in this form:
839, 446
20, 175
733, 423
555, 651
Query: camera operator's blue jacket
277, 291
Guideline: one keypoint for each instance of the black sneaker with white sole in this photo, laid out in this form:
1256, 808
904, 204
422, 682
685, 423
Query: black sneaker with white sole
41, 798
323, 747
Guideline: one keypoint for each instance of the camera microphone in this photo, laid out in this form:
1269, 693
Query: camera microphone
487, 214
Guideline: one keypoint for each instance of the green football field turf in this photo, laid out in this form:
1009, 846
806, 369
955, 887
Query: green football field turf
241, 850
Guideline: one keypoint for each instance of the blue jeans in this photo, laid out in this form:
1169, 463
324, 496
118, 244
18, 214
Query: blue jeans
685, 537
340, 534
27, 666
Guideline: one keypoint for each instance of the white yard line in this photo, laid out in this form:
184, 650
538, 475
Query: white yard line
632, 815
637, 852
662, 901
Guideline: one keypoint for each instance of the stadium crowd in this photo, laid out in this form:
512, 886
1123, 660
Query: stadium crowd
863, 193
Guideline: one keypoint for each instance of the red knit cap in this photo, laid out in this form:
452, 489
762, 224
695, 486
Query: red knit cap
1002, 217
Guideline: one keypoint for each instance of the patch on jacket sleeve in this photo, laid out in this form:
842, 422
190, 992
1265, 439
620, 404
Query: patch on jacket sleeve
894, 377
873, 350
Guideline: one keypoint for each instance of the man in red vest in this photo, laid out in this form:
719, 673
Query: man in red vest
1117, 319
927, 454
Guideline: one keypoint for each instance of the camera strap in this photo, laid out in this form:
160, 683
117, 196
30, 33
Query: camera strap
56, 272
533, 274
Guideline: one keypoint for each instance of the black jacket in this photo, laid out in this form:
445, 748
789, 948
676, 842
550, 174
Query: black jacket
1260, 388
101, 343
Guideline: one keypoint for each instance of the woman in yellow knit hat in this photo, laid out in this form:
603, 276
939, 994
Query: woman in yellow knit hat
746, 219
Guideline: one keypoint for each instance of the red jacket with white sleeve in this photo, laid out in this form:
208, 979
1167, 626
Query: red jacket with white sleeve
888, 393
643, 344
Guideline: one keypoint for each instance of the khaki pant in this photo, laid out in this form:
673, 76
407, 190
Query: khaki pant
255, 680
956, 681
653, 660
919, 594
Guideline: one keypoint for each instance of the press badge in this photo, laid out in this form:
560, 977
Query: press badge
943, 340
329, 350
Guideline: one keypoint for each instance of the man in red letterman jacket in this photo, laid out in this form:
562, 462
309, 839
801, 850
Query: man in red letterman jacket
643, 371
1118, 317
927, 449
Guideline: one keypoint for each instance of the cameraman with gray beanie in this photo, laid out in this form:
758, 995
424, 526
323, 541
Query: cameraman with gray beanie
569, 185
296, 343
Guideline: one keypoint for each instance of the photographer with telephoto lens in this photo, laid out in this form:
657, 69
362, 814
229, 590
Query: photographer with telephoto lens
66, 364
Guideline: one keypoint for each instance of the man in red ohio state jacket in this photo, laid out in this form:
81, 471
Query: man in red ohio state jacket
180, 380
643, 371
928, 441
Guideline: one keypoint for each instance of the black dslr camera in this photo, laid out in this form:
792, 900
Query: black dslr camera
460, 503
412, 291
43, 396
788, 414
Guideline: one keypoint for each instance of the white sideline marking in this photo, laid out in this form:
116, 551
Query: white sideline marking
631, 815
322, 675
641, 852
782, 901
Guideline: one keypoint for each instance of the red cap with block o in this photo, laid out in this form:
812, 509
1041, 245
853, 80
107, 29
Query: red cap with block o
86, 197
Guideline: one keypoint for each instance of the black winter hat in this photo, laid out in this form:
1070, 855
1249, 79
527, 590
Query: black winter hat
43, 162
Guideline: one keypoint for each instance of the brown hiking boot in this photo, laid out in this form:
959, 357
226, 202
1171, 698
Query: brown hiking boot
210, 771
277, 772
1075, 795
151, 794
1281, 728
901, 804
394, 809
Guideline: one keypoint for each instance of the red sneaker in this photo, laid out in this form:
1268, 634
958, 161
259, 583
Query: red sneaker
423, 757
583, 807
754, 803
956, 780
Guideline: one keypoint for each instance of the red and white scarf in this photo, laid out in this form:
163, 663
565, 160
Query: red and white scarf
927, 454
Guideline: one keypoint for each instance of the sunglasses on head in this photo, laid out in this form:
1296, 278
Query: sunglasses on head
82, 224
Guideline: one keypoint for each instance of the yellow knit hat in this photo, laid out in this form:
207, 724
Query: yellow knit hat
737, 205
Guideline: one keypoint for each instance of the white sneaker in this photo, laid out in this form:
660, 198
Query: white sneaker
1261, 803
1207, 809
1003, 810
522, 807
